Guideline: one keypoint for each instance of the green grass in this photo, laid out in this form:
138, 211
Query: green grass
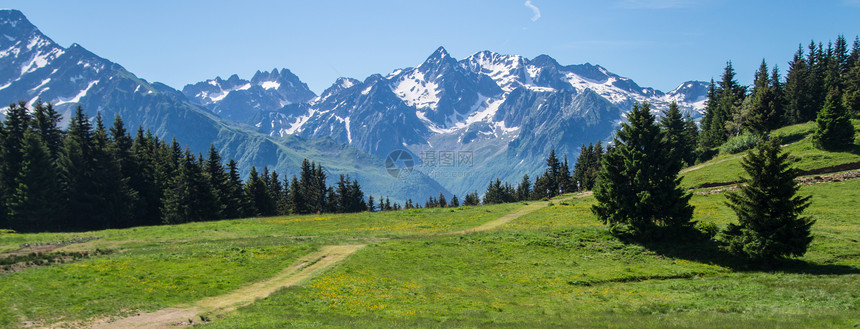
554, 267
557, 267
727, 167
162, 266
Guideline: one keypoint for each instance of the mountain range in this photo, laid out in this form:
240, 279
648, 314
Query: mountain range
463, 121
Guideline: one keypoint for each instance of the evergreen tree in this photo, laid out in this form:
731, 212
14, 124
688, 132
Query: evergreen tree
672, 124
145, 151
110, 186
442, 202
471, 199
34, 205
283, 199
764, 107
835, 130
706, 139
852, 87
46, 122
454, 201
690, 140
15, 128
371, 203
768, 209
77, 173
565, 179
234, 206
799, 107
296, 197
218, 180
255, 193
523, 190
638, 187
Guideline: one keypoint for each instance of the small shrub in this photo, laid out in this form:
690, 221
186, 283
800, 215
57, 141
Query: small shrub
708, 229
739, 144
551, 204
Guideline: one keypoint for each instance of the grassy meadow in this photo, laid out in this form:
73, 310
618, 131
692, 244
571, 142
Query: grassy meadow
553, 267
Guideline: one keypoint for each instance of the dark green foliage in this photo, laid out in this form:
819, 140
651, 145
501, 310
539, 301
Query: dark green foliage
471, 199
523, 190
768, 209
499, 193
765, 110
724, 103
33, 205
94, 178
587, 165
638, 189
852, 87
454, 202
834, 131
678, 135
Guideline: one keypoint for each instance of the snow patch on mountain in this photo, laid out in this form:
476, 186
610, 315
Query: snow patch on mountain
77, 98
416, 91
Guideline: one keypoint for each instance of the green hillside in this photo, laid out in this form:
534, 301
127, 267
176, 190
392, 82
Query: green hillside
726, 168
545, 265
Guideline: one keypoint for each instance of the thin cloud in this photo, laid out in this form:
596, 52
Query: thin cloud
657, 4
851, 3
534, 9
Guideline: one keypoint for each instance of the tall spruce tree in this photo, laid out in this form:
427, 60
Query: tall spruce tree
34, 204
218, 180
234, 207
764, 106
768, 209
672, 125
834, 131
638, 189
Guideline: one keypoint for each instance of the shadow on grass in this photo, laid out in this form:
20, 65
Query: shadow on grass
708, 251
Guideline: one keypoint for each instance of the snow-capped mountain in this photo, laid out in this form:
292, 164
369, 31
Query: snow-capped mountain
33, 67
238, 100
508, 110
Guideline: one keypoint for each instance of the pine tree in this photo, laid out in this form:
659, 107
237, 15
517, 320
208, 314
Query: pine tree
768, 209
77, 173
442, 202
255, 193
798, 94
371, 204
234, 206
454, 201
111, 187
706, 140
672, 125
764, 114
638, 188
296, 197
15, 128
34, 205
523, 190
46, 122
690, 140
218, 180
565, 180
851, 98
835, 131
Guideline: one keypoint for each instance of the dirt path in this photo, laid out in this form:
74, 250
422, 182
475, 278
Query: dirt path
304, 268
535, 205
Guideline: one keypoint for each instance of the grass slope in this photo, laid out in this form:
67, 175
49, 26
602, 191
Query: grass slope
555, 266
727, 167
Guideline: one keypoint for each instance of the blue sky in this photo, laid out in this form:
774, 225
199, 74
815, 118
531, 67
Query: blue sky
657, 43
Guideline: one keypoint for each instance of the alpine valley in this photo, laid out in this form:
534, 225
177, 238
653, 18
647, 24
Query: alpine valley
465, 121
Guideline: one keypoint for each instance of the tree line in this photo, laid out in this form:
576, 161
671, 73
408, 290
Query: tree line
821, 84
91, 177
